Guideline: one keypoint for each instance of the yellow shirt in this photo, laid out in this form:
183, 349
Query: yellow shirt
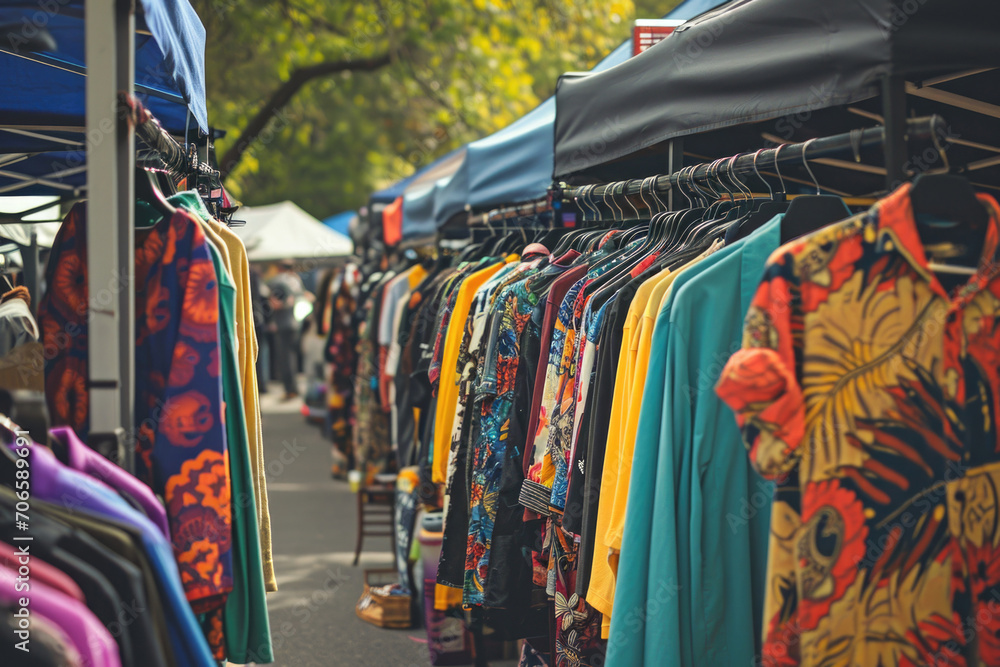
447, 401
246, 357
618, 453
617, 470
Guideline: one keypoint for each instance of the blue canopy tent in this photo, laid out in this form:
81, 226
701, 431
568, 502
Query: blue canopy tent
43, 107
389, 194
509, 166
63, 65
341, 222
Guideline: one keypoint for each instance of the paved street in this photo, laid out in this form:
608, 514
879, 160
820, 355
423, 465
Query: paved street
313, 524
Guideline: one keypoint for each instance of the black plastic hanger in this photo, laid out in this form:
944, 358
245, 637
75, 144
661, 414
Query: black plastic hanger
764, 210
808, 213
947, 211
148, 198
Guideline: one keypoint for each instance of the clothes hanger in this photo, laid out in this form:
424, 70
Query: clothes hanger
3, 273
808, 213
945, 205
691, 218
150, 204
764, 211
745, 205
585, 237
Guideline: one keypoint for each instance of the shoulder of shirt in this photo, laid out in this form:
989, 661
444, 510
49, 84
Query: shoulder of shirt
791, 254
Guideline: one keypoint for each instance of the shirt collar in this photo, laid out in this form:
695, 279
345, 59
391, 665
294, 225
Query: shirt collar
891, 226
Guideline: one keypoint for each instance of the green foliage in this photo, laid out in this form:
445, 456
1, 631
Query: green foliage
461, 69
654, 9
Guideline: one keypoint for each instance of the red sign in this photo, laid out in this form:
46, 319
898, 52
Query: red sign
647, 32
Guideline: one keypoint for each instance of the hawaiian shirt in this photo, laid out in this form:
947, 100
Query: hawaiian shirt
513, 309
180, 440
870, 393
555, 418
468, 356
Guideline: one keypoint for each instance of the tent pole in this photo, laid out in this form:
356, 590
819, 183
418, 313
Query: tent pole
894, 113
823, 147
110, 48
29, 256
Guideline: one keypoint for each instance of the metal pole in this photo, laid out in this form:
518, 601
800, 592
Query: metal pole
110, 35
894, 115
29, 255
915, 128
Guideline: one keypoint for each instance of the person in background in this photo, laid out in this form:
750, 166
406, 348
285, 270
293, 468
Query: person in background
259, 292
286, 290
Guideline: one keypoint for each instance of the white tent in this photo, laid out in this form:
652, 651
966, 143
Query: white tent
284, 231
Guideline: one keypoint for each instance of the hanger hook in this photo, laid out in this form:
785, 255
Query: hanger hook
777, 153
696, 190
805, 163
652, 191
702, 192
604, 200
642, 193
619, 192
578, 201
743, 188
757, 171
686, 188
609, 194
627, 200
581, 204
711, 177
591, 204
582, 199
719, 173
680, 186
936, 138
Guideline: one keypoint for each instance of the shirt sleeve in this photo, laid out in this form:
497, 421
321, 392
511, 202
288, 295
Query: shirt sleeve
759, 383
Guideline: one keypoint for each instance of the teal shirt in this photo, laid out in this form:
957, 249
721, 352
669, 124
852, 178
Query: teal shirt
710, 511
647, 600
246, 625
722, 505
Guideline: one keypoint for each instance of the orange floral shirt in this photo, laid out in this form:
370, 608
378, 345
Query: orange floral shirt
870, 393
180, 438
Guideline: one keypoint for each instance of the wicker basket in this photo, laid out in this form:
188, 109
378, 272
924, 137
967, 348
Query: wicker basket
377, 608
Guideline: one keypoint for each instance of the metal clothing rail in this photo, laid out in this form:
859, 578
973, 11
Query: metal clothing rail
151, 132
514, 211
746, 163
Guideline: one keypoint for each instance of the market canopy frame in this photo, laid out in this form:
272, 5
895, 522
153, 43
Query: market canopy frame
820, 65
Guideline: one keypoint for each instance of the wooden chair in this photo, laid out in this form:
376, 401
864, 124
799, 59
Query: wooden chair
376, 512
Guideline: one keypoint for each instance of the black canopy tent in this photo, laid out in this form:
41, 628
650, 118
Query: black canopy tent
762, 72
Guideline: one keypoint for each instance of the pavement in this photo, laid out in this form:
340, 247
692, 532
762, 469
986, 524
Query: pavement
313, 525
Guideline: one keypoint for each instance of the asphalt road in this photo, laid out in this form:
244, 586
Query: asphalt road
313, 526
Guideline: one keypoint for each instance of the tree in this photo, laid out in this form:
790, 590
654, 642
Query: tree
324, 100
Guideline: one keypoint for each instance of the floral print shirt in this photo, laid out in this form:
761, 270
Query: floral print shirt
180, 440
553, 437
513, 307
870, 393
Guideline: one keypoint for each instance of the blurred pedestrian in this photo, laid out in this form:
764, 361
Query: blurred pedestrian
286, 290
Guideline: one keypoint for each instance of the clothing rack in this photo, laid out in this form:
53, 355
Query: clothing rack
746, 163
174, 157
521, 210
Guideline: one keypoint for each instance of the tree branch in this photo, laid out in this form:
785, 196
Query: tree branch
284, 93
